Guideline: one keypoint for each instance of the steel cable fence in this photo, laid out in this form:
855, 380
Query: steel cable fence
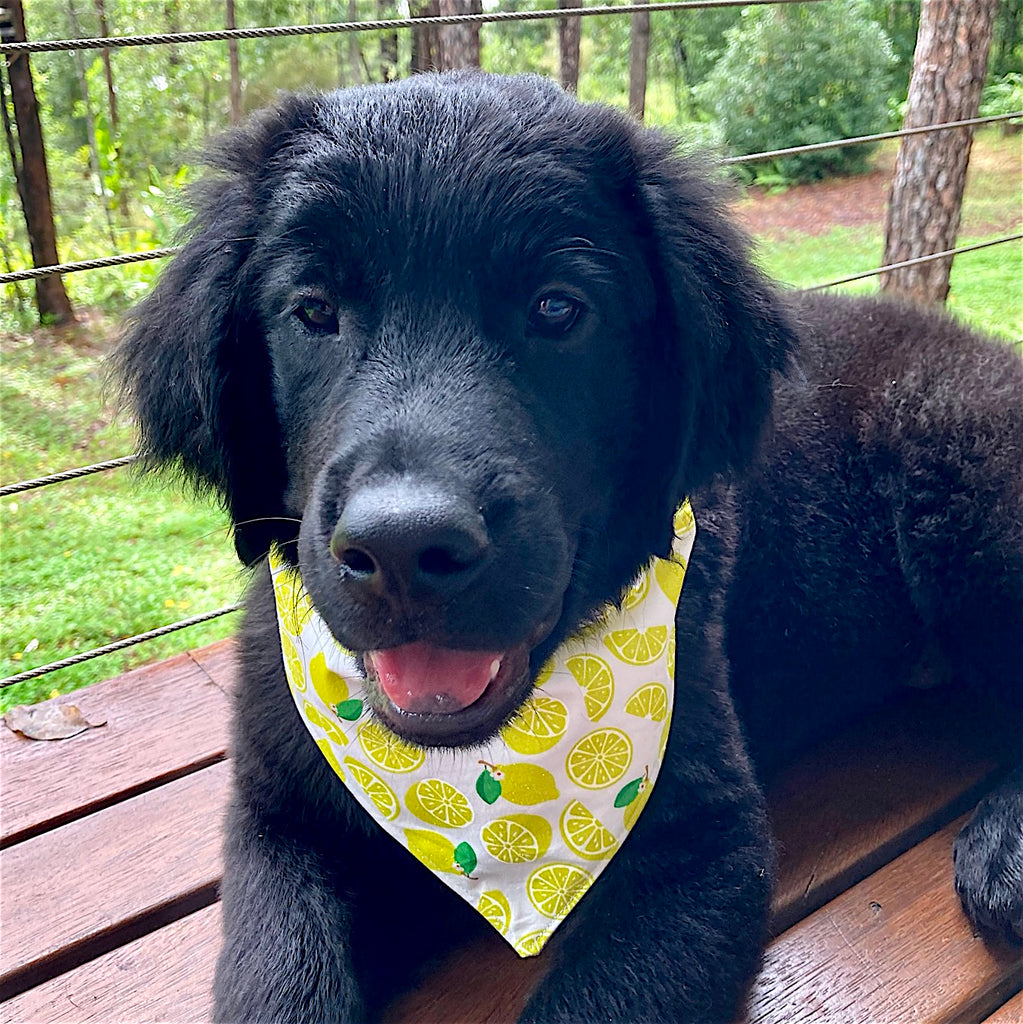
12, 50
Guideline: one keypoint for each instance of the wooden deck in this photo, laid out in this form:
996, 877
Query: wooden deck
110, 859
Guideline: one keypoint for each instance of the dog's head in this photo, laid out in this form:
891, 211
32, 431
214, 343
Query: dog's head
481, 339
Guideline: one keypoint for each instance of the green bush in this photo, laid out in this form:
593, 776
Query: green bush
801, 74
1003, 96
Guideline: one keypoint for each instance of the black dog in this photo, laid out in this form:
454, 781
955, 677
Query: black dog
482, 340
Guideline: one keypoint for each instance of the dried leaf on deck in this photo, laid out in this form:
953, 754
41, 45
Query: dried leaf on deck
48, 721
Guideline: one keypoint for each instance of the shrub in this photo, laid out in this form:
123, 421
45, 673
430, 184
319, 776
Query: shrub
802, 74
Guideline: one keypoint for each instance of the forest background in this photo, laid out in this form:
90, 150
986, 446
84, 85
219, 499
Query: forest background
91, 561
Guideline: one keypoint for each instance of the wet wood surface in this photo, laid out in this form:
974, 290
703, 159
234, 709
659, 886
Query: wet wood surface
111, 857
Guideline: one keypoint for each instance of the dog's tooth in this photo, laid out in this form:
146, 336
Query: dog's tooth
495, 667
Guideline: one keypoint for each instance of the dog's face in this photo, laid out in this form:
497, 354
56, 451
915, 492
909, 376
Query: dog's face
481, 340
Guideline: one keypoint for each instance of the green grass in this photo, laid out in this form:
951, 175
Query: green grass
986, 285
107, 556
92, 560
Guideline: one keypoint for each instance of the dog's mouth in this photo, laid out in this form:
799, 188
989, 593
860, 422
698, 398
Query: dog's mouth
438, 696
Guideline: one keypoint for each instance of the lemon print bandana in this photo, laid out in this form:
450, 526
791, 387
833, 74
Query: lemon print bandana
521, 827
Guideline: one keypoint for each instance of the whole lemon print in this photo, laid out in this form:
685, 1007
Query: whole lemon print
437, 852
331, 688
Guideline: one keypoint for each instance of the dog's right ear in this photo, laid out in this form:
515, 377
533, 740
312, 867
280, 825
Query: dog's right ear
194, 365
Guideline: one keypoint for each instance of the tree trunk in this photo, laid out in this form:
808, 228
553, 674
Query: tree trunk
99, 186
33, 180
354, 52
924, 209
172, 15
458, 46
424, 37
388, 44
104, 30
569, 33
639, 52
232, 57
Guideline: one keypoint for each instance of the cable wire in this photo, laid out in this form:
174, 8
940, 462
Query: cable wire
375, 25
117, 645
68, 474
913, 262
154, 254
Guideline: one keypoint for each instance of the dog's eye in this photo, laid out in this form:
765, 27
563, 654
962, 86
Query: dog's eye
317, 315
554, 314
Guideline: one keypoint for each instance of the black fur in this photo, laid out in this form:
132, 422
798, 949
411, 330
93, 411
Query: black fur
422, 220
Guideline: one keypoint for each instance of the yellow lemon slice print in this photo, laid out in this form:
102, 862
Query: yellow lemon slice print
649, 701
669, 575
555, 889
585, 835
517, 838
532, 943
683, 521
538, 726
545, 673
438, 803
292, 663
635, 594
670, 656
328, 752
638, 647
293, 601
437, 852
599, 758
375, 788
594, 675
332, 688
317, 717
493, 905
388, 751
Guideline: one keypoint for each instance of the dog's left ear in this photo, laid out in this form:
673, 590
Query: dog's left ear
193, 363
727, 329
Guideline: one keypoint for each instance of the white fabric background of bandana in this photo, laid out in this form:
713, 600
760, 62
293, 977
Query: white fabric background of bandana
522, 827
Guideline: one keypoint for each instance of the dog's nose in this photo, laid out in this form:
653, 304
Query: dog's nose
409, 538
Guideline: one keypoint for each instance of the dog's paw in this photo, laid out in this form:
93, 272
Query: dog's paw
988, 857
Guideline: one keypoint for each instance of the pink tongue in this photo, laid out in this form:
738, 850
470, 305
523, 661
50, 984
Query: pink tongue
422, 678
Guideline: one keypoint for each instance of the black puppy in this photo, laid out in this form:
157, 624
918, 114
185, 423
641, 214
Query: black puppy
481, 341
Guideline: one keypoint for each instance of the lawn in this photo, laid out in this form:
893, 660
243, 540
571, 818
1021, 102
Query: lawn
107, 556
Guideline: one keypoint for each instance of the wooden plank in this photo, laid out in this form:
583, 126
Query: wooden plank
895, 947
80, 890
163, 721
870, 794
1008, 1013
166, 975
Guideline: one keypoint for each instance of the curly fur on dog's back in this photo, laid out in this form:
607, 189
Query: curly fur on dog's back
885, 515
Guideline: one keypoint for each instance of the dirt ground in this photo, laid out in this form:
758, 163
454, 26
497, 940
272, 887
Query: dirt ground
861, 200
